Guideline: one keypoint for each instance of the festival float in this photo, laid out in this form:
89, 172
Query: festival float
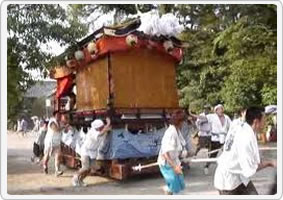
129, 76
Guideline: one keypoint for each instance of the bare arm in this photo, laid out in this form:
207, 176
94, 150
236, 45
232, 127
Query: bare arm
198, 116
194, 115
265, 164
107, 127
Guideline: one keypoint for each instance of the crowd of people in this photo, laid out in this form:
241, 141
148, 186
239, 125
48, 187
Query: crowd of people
235, 141
239, 159
57, 130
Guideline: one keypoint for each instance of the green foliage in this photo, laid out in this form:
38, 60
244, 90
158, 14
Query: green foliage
269, 94
251, 53
232, 57
165, 8
17, 81
30, 28
119, 8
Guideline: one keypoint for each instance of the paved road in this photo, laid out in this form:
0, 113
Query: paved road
26, 178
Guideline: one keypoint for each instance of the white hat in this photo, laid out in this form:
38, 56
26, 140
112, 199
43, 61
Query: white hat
271, 109
97, 124
218, 106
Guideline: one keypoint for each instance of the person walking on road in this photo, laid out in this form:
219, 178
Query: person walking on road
204, 130
89, 150
19, 128
38, 145
52, 143
172, 145
240, 159
220, 124
24, 127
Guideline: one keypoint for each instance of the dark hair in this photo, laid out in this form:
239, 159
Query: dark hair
254, 113
85, 129
72, 95
177, 117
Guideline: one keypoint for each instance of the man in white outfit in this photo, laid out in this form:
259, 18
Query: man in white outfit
204, 128
89, 150
220, 124
24, 127
234, 127
52, 143
240, 159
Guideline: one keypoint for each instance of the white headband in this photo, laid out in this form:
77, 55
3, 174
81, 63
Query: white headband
218, 106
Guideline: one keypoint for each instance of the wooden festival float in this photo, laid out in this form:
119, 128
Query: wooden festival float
129, 76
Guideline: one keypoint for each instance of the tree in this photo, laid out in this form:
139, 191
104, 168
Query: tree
231, 59
251, 53
30, 28
15, 88
200, 75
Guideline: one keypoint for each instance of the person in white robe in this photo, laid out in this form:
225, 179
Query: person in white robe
204, 130
172, 145
241, 159
89, 150
52, 143
220, 124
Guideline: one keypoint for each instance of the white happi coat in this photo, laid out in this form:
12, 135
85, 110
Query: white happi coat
203, 125
172, 143
238, 162
231, 133
218, 131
